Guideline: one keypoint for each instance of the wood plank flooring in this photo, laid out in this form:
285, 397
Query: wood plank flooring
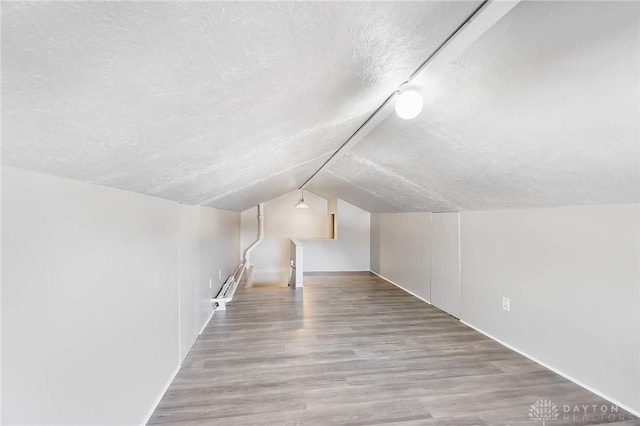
355, 350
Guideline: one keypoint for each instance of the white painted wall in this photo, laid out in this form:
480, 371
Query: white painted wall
100, 301
313, 227
572, 276
209, 243
349, 251
219, 236
571, 273
401, 250
445, 262
188, 251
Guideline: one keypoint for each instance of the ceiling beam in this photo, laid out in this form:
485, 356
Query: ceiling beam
479, 22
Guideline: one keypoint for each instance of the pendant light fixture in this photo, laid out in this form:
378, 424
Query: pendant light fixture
301, 204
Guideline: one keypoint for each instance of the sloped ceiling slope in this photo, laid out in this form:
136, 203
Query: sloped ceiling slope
542, 110
218, 103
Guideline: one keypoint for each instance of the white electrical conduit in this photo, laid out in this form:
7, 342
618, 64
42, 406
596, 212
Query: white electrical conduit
247, 252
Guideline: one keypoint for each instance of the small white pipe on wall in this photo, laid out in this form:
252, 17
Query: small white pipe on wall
247, 252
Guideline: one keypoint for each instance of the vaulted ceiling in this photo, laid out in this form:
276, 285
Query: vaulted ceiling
230, 104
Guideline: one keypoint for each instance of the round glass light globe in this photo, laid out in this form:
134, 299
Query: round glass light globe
408, 104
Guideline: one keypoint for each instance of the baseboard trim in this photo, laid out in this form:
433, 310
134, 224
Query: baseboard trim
173, 376
537, 361
400, 287
555, 370
147, 417
206, 323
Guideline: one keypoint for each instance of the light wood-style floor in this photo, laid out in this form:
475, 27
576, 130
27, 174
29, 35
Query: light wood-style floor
352, 349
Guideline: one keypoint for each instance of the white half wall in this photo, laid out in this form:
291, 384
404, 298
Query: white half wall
572, 276
313, 227
282, 221
102, 296
349, 251
401, 250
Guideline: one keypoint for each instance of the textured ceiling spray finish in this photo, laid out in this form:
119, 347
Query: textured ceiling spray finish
226, 104
542, 110
231, 104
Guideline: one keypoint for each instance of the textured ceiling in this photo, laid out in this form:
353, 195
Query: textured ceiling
231, 104
542, 110
224, 104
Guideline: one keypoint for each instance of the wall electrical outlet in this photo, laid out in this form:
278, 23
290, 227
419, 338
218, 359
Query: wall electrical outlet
210, 282
506, 304
219, 274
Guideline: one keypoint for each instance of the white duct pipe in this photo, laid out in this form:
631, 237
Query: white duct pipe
247, 252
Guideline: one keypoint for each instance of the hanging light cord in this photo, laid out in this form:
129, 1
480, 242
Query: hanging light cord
386, 101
